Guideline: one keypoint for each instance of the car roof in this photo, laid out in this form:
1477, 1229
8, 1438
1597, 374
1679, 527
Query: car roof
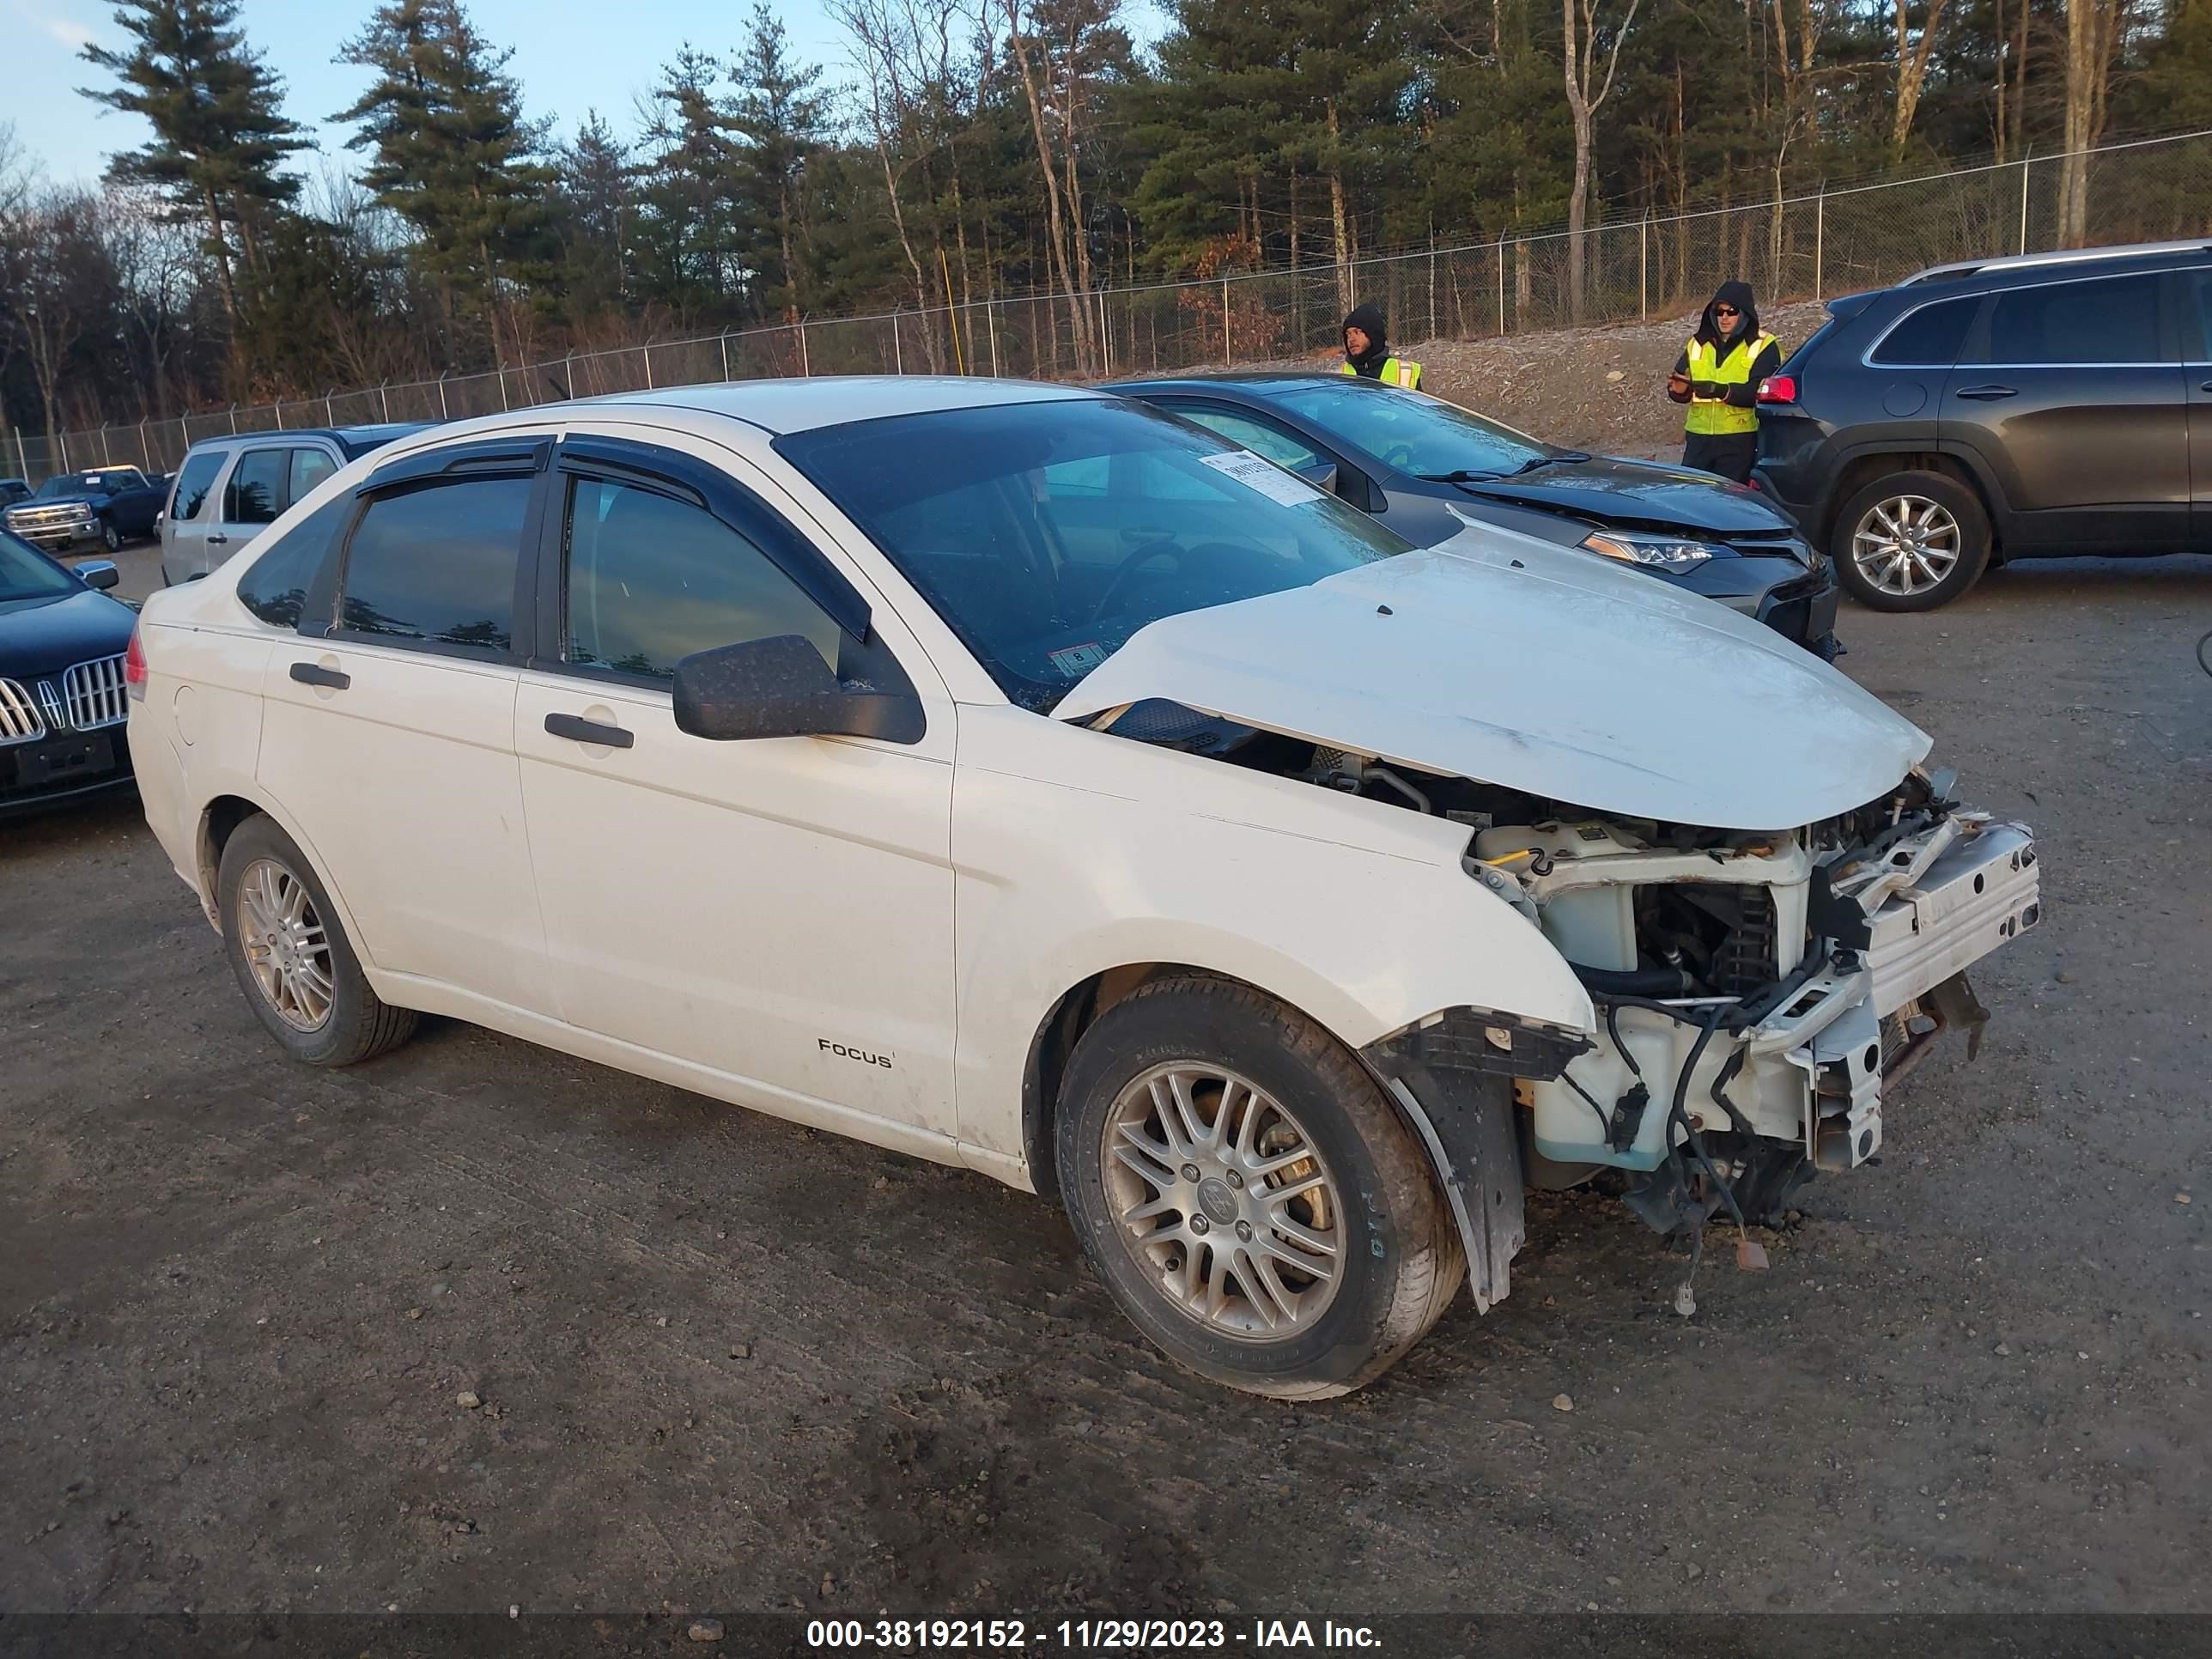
2018, 270
804, 404
346, 437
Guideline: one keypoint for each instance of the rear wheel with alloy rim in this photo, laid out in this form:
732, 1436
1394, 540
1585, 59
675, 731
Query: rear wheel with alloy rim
1910, 541
1251, 1199
291, 956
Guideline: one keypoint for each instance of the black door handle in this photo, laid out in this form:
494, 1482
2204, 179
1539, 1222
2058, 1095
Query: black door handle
216, 540
1986, 394
313, 673
2207, 386
584, 730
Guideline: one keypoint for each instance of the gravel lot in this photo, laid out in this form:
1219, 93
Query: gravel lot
721, 1363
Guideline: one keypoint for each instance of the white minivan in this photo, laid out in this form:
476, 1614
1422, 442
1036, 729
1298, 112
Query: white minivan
1018, 777
232, 488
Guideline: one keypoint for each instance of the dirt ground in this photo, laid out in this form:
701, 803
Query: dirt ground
725, 1363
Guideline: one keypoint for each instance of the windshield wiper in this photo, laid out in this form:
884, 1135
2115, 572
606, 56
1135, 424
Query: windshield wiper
1564, 458
1463, 476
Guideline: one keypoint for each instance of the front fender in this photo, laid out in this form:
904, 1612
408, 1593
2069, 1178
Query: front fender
1356, 914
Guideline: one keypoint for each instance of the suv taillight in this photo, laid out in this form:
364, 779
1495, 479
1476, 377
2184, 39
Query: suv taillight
134, 668
1778, 389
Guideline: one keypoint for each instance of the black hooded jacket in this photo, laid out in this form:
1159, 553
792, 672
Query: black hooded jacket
1769, 362
1368, 319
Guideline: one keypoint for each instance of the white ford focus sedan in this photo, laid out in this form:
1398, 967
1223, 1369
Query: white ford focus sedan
1013, 776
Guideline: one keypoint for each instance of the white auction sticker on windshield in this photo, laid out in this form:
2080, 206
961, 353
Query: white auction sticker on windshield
1258, 472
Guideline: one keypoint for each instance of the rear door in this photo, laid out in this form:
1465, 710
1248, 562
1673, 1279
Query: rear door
2071, 395
2196, 338
390, 741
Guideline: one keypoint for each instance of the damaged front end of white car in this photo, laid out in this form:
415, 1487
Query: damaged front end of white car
1768, 898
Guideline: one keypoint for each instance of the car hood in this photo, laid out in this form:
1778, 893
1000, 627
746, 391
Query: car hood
1665, 497
53, 500
42, 637
1500, 657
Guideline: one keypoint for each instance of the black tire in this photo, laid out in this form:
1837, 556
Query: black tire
110, 536
1967, 513
1390, 1289
357, 1024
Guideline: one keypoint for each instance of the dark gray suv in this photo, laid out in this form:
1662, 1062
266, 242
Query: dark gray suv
2058, 403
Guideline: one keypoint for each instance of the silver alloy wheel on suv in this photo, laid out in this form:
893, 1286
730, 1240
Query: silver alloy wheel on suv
1906, 545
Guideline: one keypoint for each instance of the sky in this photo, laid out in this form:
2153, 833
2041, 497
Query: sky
569, 56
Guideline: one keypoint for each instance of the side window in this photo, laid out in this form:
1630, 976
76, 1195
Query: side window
309, 468
255, 493
437, 564
1260, 437
2202, 285
1929, 338
652, 580
193, 484
2112, 321
275, 585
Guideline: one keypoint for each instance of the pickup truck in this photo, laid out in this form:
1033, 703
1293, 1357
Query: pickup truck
110, 505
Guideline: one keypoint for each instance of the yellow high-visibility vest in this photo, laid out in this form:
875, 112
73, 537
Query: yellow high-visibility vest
1396, 371
1714, 415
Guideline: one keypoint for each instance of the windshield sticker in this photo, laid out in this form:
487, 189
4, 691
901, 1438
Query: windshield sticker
1258, 472
1077, 660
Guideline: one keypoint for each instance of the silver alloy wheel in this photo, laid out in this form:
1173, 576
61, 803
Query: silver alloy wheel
1222, 1196
1906, 544
286, 945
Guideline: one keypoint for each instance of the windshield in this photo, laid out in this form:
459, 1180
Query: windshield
1413, 432
1046, 533
24, 574
79, 483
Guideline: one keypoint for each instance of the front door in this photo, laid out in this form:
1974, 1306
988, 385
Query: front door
2072, 393
778, 912
192, 507
391, 743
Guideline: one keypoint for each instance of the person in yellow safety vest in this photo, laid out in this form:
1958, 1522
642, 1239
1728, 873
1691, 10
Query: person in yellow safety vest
1718, 375
1367, 351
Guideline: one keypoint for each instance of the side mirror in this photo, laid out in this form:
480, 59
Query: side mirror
99, 573
1321, 475
780, 687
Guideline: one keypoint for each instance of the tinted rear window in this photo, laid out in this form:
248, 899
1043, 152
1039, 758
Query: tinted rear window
255, 493
2114, 320
1930, 337
438, 564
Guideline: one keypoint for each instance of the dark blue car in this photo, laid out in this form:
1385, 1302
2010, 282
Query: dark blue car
1424, 466
63, 693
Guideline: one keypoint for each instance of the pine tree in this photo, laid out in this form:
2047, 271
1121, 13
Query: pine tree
781, 120
220, 133
686, 225
453, 154
592, 203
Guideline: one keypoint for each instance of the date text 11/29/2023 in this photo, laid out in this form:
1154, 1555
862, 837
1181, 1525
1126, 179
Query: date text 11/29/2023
1084, 1635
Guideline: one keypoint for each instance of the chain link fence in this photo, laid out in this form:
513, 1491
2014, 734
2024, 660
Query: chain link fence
1811, 246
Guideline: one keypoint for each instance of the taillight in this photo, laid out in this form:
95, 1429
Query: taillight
134, 668
1778, 389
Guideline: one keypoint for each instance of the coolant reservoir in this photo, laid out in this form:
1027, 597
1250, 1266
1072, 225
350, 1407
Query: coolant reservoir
1593, 925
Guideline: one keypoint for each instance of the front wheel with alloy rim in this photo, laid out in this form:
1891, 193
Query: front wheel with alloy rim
110, 536
1249, 1196
291, 955
1910, 541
